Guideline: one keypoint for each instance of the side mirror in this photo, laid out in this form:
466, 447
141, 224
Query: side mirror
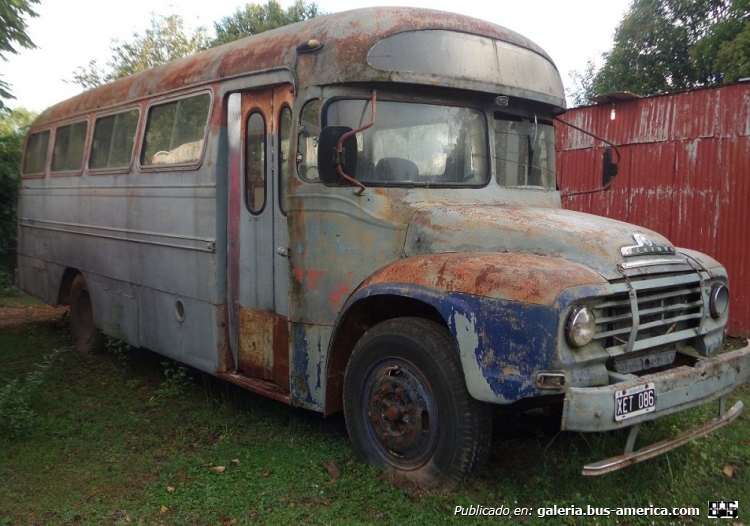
609, 168
329, 158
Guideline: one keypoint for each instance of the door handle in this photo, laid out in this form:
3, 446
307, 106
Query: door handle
283, 252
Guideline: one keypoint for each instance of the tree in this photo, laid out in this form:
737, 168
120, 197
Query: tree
165, 41
583, 85
256, 18
663, 46
13, 34
13, 127
724, 53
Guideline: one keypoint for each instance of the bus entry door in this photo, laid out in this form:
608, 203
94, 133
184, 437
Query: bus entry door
257, 249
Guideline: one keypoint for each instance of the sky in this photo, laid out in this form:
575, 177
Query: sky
70, 33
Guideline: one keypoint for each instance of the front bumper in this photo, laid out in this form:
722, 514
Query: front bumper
590, 409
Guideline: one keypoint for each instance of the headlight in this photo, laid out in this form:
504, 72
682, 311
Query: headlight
581, 326
719, 300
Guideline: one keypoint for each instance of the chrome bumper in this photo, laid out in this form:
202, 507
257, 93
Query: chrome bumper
590, 409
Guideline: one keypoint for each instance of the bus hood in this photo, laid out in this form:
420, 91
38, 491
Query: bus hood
592, 241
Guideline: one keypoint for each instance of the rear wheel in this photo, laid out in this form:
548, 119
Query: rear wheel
407, 407
87, 336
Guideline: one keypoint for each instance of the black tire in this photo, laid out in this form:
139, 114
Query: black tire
407, 407
87, 336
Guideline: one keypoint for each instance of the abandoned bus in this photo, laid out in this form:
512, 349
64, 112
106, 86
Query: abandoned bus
359, 213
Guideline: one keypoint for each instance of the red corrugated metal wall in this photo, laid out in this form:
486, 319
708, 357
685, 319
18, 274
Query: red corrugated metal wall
684, 172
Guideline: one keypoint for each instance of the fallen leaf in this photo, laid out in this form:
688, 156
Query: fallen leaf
235, 461
332, 469
164, 509
228, 522
219, 469
170, 489
266, 474
728, 470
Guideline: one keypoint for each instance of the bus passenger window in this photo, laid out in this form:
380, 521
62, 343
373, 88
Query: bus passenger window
114, 137
285, 140
35, 157
255, 163
67, 155
308, 142
175, 131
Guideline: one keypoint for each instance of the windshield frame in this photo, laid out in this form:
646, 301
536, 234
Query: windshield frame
486, 103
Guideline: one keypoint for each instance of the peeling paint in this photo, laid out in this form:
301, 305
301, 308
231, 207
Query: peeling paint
464, 328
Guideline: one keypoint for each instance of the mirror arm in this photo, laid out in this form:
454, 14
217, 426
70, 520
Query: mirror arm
340, 147
614, 146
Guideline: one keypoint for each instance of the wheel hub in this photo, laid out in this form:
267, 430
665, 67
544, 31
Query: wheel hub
402, 412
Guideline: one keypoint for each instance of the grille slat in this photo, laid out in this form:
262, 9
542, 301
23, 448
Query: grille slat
669, 308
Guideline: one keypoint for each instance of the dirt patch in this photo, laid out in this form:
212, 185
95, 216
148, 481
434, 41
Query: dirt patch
15, 317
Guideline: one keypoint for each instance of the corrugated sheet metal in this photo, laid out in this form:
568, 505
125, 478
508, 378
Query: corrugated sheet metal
684, 172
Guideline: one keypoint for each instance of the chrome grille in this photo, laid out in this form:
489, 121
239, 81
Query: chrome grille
650, 312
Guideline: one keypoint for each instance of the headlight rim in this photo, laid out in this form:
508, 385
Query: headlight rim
577, 312
717, 310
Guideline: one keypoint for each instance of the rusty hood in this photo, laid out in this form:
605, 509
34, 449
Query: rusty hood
589, 240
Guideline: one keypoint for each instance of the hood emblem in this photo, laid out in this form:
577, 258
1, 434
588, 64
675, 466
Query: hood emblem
645, 247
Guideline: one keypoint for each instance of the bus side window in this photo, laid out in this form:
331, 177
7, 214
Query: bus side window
308, 142
67, 155
35, 157
114, 136
285, 140
255, 163
175, 131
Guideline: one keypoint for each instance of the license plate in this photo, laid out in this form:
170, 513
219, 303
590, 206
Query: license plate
635, 401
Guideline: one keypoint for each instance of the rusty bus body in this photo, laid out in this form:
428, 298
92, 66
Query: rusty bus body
454, 281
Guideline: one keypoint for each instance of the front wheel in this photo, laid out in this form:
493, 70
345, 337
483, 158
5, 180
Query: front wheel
407, 407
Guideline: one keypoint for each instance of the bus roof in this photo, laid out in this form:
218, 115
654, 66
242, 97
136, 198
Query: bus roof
348, 39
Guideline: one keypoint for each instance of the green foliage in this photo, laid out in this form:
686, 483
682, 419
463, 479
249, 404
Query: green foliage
13, 127
724, 53
13, 33
663, 46
16, 415
177, 380
166, 40
120, 349
583, 85
256, 18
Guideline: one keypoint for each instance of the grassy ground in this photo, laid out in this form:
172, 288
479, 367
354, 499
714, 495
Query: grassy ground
122, 438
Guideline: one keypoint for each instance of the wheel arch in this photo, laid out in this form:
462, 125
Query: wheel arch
63, 294
365, 310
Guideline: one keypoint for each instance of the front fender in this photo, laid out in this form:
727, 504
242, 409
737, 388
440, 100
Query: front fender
503, 311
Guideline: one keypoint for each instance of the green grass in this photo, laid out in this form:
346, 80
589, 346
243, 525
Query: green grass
113, 435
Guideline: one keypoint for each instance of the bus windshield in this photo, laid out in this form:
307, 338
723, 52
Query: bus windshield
524, 151
416, 144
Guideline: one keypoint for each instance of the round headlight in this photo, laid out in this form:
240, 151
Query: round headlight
581, 326
719, 301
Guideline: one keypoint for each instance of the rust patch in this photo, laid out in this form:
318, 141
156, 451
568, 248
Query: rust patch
309, 278
256, 343
515, 277
340, 292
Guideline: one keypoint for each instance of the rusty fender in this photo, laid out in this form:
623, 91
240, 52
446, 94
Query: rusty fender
504, 311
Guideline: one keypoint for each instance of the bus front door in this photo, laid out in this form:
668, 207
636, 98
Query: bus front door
258, 254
